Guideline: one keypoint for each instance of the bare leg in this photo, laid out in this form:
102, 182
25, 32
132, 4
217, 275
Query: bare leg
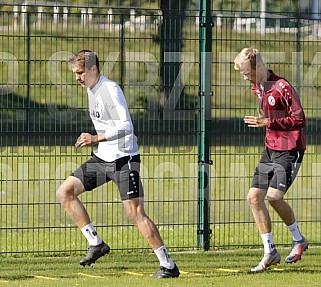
263, 221
282, 208
260, 213
67, 194
135, 210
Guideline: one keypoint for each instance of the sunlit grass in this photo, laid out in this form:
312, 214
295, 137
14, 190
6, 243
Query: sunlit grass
219, 268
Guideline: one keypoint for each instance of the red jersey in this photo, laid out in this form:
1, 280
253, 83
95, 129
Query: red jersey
281, 106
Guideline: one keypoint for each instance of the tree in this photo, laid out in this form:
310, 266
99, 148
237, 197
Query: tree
171, 40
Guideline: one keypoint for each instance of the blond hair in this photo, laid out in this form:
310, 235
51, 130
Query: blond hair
85, 59
248, 55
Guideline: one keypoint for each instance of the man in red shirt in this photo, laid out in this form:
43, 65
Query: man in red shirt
282, 115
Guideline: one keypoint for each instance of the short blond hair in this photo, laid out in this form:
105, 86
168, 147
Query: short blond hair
85, 59
248, 55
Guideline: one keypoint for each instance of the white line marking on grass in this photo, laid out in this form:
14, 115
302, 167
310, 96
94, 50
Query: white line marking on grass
4, 281
88, 275
44, 277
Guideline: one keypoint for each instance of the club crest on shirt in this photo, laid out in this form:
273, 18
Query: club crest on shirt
271, 100
96, 112
97, 109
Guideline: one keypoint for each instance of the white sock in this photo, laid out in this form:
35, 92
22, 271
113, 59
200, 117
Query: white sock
91, 234
164, 258
295, 231
268, 242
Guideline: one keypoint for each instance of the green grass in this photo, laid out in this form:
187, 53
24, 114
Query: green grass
197, 269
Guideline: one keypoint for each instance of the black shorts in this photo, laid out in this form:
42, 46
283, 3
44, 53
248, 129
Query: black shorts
277, 169
123, 171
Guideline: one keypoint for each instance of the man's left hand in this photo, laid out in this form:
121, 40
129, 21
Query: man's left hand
86, 139
255, 122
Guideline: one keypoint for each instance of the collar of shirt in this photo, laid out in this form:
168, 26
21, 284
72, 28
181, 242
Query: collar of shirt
96, 87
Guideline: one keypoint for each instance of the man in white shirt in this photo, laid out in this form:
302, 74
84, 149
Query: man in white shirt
117, 158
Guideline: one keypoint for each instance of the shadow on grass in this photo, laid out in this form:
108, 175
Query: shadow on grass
34, 123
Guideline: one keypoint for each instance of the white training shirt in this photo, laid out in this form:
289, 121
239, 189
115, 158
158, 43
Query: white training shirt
109, 113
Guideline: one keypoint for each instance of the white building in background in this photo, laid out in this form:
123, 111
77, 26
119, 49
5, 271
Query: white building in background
59, 14
311, 26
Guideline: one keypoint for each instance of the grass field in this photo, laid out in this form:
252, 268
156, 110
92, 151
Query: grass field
229, 268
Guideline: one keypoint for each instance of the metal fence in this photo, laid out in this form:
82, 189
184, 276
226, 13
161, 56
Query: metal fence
43, 111
290, 47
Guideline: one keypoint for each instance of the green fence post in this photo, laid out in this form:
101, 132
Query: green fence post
28, 69
204, 122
